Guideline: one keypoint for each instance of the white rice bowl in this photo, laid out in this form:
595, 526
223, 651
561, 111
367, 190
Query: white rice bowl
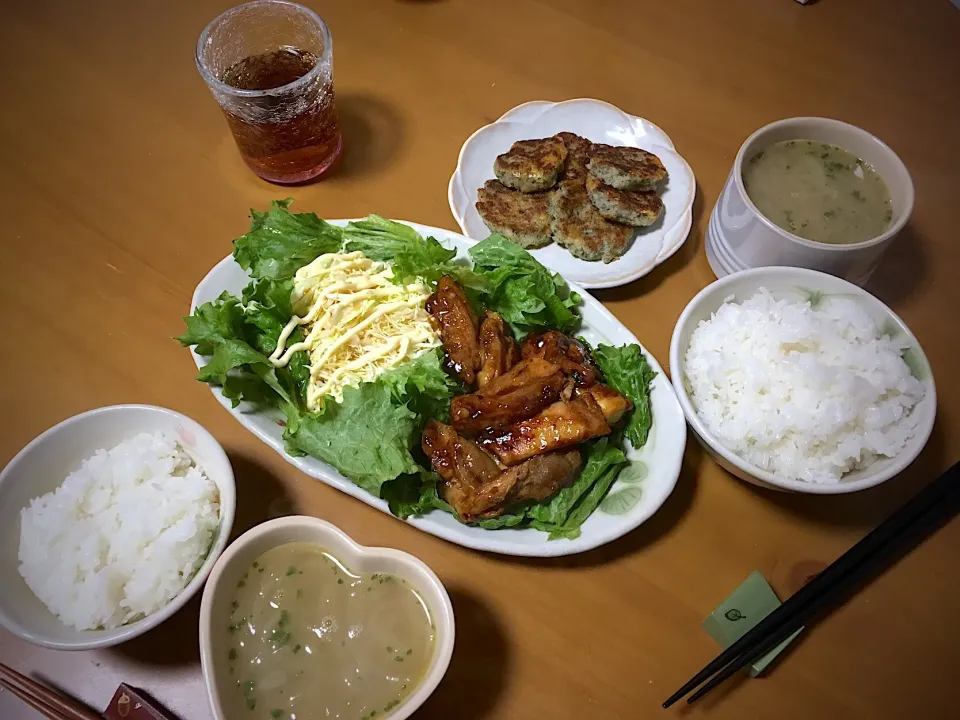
122, 536
806, 393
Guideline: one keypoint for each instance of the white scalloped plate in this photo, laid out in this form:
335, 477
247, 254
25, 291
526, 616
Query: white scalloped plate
599, 122
635, 497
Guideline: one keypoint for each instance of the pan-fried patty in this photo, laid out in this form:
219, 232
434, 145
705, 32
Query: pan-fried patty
531, 165
579, 227
638, 208
523, 218
578, 155
626, 168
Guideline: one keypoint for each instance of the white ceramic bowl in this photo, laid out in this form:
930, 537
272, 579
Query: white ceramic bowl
43, 465
798, 283
739, 237
599, 122
217, 596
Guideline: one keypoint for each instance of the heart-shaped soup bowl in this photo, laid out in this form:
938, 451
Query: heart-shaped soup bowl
239, 556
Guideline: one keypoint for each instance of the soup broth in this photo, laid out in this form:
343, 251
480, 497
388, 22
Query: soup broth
307, 638
818, 191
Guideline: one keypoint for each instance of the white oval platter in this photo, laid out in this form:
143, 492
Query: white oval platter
637, 494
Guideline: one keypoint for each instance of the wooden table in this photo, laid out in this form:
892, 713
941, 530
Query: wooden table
120, 187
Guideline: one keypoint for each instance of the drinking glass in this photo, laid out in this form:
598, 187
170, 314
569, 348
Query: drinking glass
269, 64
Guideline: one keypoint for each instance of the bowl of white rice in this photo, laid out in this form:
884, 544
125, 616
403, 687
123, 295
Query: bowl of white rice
800, 381
109, 523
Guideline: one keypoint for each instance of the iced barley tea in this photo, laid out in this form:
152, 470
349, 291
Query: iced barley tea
279, 102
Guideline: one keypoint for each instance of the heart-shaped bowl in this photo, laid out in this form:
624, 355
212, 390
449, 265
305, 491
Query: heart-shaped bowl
239, 556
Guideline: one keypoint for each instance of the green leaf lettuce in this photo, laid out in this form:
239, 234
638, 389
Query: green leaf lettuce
523, 291
627, 371
366, 436
411, 255
281, 242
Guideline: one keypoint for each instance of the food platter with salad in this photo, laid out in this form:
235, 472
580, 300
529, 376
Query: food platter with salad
460, 386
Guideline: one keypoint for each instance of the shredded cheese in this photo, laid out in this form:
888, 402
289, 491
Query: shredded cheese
358, 323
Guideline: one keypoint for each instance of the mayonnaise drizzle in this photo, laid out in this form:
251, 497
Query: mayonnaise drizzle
359, 322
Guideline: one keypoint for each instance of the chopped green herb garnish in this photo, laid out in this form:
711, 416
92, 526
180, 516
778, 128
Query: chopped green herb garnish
339, 581
232, 655
275, 713
284, 618
256, 564
410, 651
390, 705
829, 213
296, 649
291, 570
279, 637
299, 592
241, 584
251, 703
234, 605
398, 659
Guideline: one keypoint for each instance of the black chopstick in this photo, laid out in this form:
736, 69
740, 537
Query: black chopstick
878, 547
935, 516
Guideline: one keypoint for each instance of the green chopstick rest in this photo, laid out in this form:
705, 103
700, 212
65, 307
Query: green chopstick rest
747, 605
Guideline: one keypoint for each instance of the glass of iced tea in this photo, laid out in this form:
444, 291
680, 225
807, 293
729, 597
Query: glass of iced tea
269, 64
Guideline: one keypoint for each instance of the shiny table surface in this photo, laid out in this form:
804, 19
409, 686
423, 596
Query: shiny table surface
120, 187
